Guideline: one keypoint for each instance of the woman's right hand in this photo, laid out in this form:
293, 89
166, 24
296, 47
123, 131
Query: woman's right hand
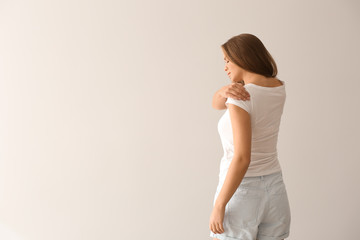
236, 91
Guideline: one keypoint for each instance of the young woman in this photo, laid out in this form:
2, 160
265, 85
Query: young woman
251, 201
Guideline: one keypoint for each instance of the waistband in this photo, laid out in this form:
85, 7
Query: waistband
264, 177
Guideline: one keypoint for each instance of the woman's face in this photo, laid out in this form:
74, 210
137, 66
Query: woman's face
234, 72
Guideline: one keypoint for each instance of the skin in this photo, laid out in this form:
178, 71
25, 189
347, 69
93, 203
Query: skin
241, 126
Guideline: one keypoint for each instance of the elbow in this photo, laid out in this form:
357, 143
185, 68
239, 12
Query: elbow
215, 107
242, 159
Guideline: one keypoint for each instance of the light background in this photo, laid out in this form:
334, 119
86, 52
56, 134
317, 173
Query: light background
107, 129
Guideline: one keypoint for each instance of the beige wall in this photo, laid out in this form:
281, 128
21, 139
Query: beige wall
106, 125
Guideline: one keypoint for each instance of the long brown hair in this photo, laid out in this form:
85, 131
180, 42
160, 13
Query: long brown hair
249, 53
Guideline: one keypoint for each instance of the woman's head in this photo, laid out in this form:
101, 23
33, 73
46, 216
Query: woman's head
245, 52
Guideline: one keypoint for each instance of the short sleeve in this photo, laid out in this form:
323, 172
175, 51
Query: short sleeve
240, 103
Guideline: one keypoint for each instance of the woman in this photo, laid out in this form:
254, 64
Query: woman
251, 200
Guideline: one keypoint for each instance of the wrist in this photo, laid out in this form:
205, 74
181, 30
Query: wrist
219, 205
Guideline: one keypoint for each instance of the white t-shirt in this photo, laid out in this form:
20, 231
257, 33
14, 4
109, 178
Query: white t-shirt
265, 108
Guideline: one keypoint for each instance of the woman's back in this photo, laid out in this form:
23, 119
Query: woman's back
265, 107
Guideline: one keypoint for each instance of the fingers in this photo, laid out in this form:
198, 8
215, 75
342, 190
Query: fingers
237, 91
217, 228
241, 96
220, 228
242, 92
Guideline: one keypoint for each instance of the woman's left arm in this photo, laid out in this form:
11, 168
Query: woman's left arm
241, 127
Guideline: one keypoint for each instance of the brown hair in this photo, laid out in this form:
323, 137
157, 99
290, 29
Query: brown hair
249, 53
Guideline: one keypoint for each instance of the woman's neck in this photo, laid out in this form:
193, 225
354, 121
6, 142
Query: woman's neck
260, 80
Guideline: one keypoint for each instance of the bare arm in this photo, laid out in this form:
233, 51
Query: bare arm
241, 125
218, 102
234, 90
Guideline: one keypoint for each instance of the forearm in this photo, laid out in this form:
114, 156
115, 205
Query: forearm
218, 101
234, 176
